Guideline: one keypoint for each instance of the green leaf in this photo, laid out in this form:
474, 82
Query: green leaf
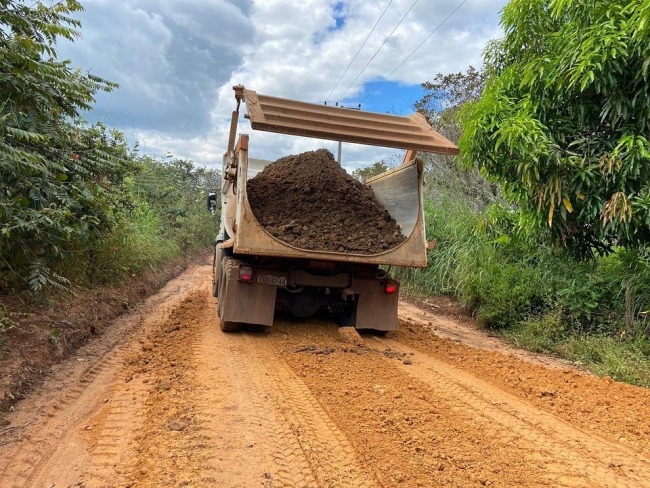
21, 201
589, 103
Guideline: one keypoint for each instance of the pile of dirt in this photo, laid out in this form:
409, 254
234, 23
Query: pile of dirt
309, 201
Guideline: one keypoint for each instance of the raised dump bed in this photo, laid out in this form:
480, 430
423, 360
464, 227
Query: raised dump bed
398, 190
259, 268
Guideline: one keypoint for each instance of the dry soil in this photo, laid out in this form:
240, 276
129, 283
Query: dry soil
164, 398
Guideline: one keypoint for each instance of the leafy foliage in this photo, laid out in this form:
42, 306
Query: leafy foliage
564, 118
57, 177
363, 174
175, 189
76, 203
168, 218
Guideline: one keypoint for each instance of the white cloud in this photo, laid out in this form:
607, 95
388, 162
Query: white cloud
177, 61
168, 57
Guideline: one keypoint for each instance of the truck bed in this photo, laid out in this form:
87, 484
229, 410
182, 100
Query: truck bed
399, 190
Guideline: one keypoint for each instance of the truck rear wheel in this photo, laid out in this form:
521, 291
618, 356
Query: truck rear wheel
215, 282
216, 270
227, 326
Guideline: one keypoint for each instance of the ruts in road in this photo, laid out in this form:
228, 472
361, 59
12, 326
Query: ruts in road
165, 399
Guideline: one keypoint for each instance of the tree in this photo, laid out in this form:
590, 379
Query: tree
176, 190
564, 119
446, 94
363, 174
59, 178
444, 98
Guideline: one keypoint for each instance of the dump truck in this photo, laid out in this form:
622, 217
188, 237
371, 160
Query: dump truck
256, 274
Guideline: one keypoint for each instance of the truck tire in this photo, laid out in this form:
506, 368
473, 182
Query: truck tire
216, 270
229, 326
215, 283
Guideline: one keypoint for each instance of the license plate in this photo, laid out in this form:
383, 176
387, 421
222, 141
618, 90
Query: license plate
266, 279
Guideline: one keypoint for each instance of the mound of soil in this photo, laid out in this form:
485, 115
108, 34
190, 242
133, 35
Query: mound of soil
309, 201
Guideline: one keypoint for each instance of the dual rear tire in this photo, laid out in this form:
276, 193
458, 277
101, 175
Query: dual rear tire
216, 270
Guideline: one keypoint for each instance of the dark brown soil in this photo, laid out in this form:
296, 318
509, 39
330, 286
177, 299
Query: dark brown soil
309, 201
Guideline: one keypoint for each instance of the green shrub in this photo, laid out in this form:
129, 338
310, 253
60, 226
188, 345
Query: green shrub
503, 293
77, 204
594, 312
135, 244
538, 333
480, 259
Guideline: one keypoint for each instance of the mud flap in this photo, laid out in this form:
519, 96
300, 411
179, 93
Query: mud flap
247, 303
375, 309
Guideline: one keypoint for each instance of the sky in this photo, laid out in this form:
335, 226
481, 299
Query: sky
177, 61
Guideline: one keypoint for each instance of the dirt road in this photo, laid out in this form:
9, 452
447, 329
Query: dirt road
164, 399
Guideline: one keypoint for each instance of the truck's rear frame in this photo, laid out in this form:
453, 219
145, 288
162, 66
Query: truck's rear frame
255, 274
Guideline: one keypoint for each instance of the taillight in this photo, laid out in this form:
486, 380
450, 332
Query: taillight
245, 273
391, 287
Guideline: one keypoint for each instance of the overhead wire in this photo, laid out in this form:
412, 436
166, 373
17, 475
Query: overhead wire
377, 51
359, 50
416, 48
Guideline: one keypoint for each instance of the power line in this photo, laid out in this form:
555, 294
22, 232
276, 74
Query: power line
417, 47
377, 51
359, 50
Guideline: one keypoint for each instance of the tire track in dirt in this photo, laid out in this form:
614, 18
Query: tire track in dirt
43, 451
234, 417
603, 462
198, 421
111, 433
431, 418
400, 430
331, 457
49, 450
285, 460
172, 441
612, 410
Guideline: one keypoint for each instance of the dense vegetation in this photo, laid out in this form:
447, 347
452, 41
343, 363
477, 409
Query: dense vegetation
558, 261
76, 203
588, 311
564, 119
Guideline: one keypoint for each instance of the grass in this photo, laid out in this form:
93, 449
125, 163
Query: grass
623, 359
452, 224
535, 296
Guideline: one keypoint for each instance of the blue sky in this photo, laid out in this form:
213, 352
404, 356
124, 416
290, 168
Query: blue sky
388, 97
176, 62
